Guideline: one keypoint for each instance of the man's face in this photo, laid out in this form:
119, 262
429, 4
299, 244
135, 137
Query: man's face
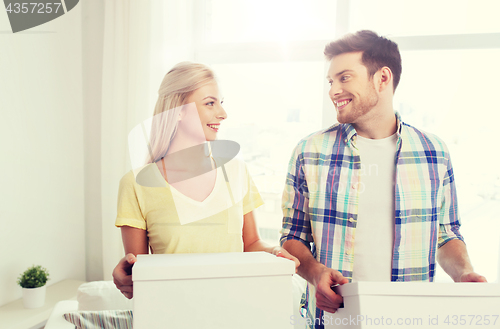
352, 91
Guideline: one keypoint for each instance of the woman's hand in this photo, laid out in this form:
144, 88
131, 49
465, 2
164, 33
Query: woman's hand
281, 252
122, 275
253, 242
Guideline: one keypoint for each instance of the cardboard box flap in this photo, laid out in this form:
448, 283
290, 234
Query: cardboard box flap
420, 289
217, 265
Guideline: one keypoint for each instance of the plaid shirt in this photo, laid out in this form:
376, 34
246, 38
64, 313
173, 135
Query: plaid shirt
320, 202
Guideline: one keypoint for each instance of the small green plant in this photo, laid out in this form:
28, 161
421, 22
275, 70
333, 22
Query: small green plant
33, 277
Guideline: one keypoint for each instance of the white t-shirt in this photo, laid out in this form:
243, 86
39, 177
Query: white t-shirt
374, 235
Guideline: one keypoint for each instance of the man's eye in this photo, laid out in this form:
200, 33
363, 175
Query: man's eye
344, 78
330, 82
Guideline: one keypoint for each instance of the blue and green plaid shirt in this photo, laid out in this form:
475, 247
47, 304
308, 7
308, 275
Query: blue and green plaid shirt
320, 202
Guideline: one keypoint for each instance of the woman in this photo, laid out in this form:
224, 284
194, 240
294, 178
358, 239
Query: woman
186, 199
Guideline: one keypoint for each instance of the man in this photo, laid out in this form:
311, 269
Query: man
374, 197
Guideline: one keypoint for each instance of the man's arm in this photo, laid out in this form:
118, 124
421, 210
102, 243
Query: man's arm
318, 275
297, 228
452, 253
454, 260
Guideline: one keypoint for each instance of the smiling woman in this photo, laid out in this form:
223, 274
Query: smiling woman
186, 199
209, 113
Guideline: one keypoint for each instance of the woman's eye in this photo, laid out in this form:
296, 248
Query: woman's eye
210, 104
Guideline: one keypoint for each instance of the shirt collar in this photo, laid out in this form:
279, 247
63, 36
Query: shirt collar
348, 131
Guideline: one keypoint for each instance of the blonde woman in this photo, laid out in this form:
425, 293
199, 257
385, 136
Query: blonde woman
186, 199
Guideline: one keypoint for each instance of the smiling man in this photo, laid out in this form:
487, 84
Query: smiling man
370, 198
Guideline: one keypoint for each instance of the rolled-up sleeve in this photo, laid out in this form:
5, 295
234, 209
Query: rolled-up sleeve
449, 223
295, 202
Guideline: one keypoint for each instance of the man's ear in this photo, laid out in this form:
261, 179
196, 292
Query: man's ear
385, 79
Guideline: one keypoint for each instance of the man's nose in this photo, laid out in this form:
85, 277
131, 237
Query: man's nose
335, 90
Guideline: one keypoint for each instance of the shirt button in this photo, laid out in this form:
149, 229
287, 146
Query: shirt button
351, 220
353, 186
345, 140
348, 252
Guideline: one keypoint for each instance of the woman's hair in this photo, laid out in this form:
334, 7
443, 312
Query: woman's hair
177, 85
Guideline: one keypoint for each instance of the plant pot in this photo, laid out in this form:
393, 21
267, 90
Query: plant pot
34, 297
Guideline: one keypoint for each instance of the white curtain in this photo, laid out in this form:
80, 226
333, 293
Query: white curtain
142, 40
125, 91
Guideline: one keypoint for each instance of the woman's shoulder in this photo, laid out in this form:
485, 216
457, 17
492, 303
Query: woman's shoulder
128, 178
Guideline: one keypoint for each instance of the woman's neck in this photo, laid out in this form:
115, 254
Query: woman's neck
188, 156
184, 141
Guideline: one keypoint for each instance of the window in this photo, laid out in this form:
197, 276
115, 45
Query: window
268, 56
230, 21
424, 17
270, 106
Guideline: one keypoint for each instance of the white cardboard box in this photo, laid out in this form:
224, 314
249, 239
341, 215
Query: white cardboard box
226, 290
417, 305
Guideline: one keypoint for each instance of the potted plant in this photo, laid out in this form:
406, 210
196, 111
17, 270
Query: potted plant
33, 282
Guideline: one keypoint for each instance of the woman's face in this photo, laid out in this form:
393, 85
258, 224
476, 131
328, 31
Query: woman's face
208, 103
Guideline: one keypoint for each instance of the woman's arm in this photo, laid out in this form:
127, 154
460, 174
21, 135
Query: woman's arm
135, 242
252, 241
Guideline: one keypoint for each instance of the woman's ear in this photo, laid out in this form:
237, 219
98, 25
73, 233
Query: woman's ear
182, 113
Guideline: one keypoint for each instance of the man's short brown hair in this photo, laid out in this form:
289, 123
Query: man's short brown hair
377, 52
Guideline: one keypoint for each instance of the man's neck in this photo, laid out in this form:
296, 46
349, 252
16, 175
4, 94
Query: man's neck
378, 126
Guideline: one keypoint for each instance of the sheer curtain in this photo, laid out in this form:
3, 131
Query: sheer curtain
142, 41
130, 52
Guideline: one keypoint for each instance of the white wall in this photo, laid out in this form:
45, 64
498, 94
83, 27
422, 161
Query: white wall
42, 151
92, 49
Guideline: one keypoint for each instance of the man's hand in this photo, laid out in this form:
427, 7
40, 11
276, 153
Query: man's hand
122, 275
326, 298
472, 277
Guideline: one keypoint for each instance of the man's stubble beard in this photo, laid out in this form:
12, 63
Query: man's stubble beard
361, 107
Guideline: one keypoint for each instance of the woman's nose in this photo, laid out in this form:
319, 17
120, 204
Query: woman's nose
221, 113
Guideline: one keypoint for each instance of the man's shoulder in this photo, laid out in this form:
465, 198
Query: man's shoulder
427, 140
329, 134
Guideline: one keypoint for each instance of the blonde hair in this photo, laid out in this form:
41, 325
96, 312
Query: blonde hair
177, 85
